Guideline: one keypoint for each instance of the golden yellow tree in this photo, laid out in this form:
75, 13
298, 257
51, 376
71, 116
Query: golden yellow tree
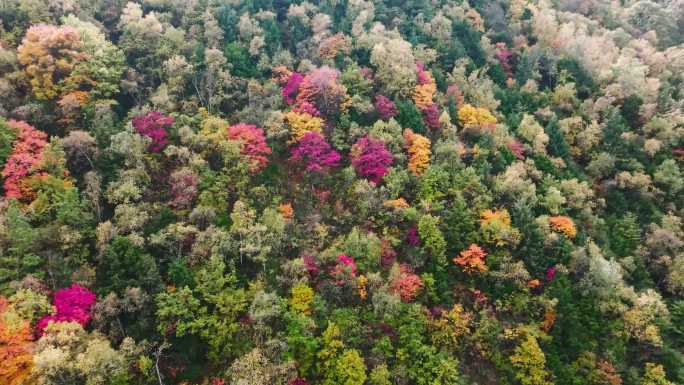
563, 225
301, 123
475, 116
49, 54
418, 148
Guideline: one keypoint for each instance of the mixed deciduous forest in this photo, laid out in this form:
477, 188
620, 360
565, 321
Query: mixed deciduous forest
341, 192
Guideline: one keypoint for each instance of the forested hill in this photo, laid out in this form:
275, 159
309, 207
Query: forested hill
341, 192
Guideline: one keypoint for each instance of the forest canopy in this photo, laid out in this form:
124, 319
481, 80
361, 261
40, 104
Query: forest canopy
341, 192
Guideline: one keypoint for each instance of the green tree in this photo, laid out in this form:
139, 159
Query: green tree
123, 265
209, 311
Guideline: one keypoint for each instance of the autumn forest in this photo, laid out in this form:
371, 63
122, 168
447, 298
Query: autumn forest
341, 192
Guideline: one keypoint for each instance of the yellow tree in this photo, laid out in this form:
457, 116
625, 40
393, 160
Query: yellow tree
302, 122
418, 148
529, 360
49, 54
16, 343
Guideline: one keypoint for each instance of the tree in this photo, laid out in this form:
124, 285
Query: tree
72, 304
336, 365
49, 55
209, 311
124, 265
100, 74
654, 374
315, 153
418, 148
529, 360
404, 282
302, 298
303, 122
432, 238
370, 158
153, 125
321, 88
27, 152
67, 354
385, 107
472, 260
16, 344
184, 188
252, 144
563, 225
396, 66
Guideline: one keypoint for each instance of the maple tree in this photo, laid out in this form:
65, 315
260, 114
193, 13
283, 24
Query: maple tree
370, 158
385, 107
472, 259
315, 152
406, 283
16, 345
72, 304
321, 88
153, 125
49, 54
563, 225
252, 144
418, 148
26, 156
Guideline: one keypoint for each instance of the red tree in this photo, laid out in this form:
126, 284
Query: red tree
27, 153
253, 144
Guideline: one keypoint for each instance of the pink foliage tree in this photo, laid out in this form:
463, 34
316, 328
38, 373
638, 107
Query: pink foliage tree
517, 149
371, 158
307, 108
183, 188
385, 107
431, 116
321, 88
291, 87
406, 284
153, 125
253, 144
72, 304
344, 270
315, 153
27, 153
504, 56
422, 76
412, 237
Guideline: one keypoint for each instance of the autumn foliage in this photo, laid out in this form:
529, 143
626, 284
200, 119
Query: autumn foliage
370, 158
385, 107
49, 54
153, 125
252, 144
315, 152
418, 148
475, 116
406, 283
16, 341
27, 153
303, 122
563, 225
472, 259
72, 304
